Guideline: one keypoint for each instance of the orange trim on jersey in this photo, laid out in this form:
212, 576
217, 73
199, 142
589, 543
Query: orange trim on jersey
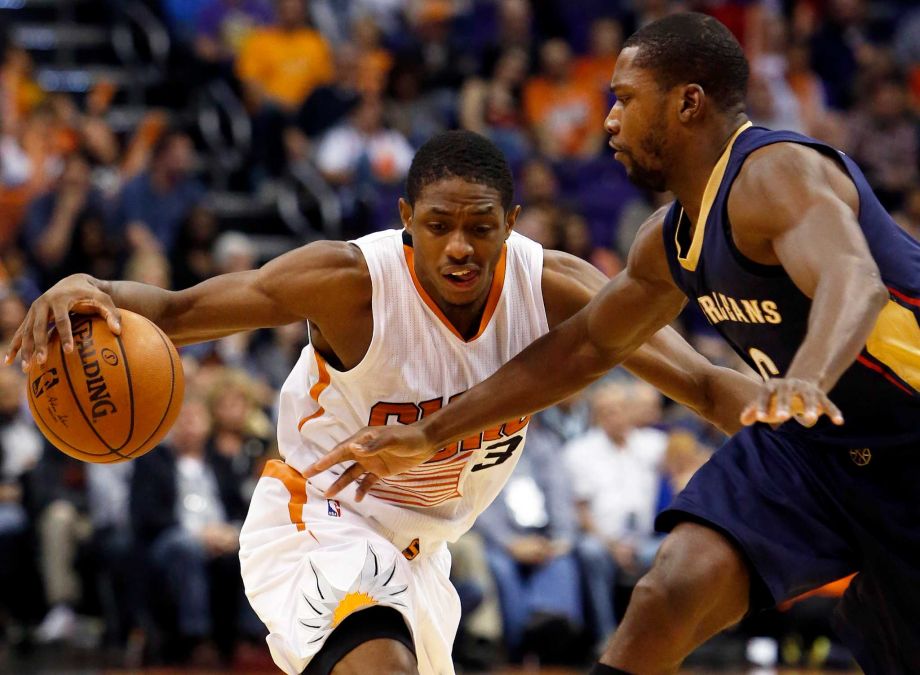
296, 485
495, 292
317, 389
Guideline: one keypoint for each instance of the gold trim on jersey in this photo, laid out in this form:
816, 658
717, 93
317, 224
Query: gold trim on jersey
895, 341
690, 260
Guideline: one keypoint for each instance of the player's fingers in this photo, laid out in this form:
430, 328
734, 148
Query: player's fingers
366, 484
39, 336
810, 409
783, 409
340, 453
831, 410
62, 325
14, 346
109, 312
351, 474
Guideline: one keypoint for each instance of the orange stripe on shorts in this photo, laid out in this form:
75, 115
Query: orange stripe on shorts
296, 485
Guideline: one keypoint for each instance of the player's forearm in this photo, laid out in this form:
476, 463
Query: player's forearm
728, 391
148, 301
548, 371
684, 375
844, 310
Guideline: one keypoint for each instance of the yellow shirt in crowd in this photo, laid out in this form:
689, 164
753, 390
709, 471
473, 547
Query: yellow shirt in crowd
286, 65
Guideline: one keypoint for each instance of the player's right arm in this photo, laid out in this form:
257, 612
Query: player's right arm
319, 282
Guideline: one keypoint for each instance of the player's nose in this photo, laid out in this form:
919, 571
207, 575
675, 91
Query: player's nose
458, 247
611, 123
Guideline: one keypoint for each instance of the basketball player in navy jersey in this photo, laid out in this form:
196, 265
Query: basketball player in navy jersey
780, 241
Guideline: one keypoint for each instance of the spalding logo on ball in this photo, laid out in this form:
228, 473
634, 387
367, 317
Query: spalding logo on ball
113, 398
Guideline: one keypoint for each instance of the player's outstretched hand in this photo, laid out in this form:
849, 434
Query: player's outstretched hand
75, 293
377, 452
782, 399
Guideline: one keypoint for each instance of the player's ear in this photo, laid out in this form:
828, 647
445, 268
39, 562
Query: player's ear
511, 219
691, 102
405, 214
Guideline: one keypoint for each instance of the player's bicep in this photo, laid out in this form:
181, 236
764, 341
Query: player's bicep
806, 219
306, 283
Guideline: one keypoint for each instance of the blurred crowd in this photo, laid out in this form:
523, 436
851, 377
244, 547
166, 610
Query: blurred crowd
342, 92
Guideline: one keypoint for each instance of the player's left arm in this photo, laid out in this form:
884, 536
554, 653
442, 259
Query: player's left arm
665, 361
794, 206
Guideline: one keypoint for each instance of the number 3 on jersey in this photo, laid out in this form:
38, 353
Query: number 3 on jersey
764, 363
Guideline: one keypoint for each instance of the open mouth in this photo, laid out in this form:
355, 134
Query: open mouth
462, 278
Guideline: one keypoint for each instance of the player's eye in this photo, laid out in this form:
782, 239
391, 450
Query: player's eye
437, 228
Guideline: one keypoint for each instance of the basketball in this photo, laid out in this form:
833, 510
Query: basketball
114, 397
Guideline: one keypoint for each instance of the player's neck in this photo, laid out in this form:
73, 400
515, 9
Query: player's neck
688, 180
465, 319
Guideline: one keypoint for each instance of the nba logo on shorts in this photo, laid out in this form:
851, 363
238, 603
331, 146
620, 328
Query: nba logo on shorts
333, 508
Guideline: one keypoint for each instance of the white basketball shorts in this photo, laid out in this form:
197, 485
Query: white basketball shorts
309, 562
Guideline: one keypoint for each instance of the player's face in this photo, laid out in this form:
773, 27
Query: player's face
458, 229
637, 123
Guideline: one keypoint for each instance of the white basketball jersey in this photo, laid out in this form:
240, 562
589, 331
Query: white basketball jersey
415, 364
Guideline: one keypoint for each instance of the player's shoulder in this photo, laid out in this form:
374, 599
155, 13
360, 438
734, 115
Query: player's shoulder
768, 170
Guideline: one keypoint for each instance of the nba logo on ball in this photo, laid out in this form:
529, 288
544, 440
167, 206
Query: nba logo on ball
333, 508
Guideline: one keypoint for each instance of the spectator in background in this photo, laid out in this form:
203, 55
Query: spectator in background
909, 215
596, 67
191, 260
682, 457
771, 101
273, 361
539, 184
115, 565
153, 206
64, 528
12, 312
29, 164
330, 103
771, 104
818, 120
20, 449
838, 47
529, 531
19, 92
148, 267
241, 432
230, 252
883, 139
65, 229
409, 109
613, 471
374, 61
186, 509
492, 107
478, 644
561, 110
223, 26
361, 158
279, 67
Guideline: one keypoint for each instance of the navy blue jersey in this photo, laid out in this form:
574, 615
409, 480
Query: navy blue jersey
763, 316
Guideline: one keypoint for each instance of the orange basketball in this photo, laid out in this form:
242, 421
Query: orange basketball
114, 397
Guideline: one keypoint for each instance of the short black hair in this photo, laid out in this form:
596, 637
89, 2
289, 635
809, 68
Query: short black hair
460, 154
689, 47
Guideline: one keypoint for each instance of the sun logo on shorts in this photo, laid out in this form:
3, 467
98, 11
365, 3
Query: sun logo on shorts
334, 604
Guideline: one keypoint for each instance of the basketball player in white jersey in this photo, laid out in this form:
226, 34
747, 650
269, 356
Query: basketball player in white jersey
400, 323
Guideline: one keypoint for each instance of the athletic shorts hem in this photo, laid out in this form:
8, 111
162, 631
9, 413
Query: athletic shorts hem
762, 594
